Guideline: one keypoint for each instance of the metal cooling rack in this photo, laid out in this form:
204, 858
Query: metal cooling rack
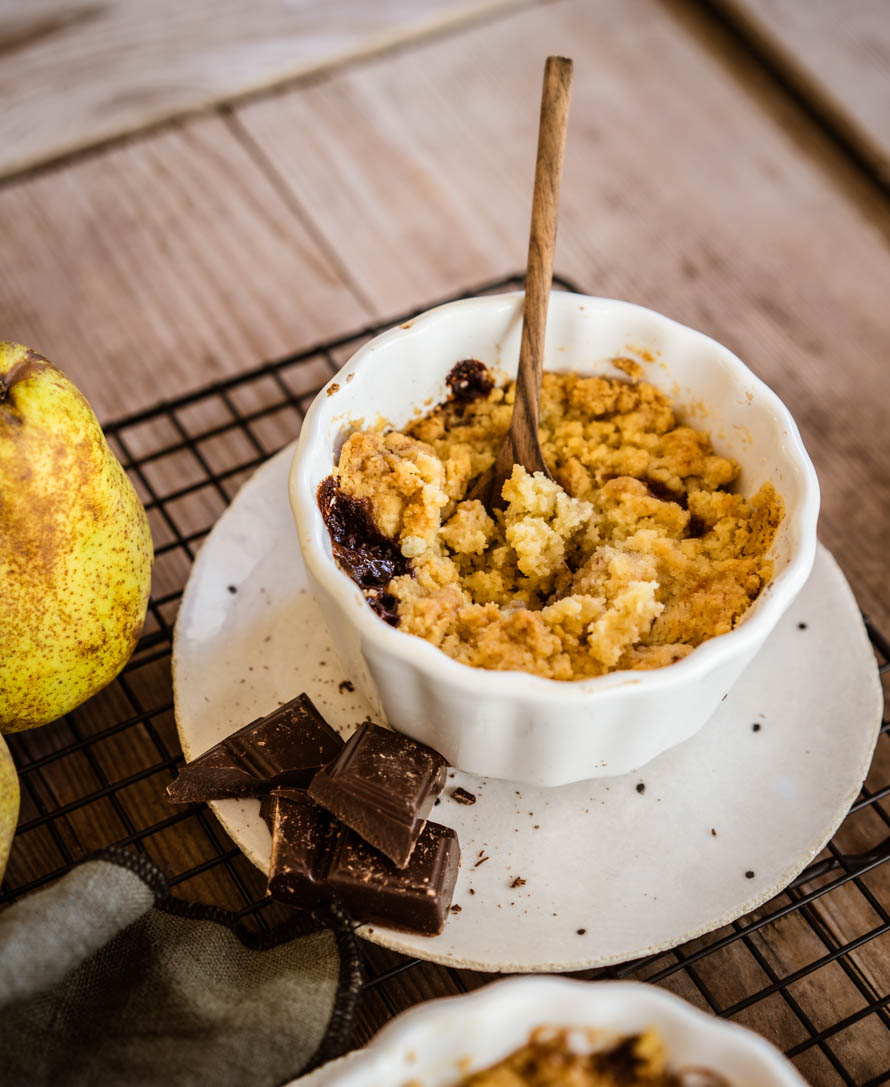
810, 970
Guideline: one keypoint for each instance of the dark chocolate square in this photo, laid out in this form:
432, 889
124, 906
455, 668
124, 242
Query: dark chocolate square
382, 785
302, 840
314, 857
286, 747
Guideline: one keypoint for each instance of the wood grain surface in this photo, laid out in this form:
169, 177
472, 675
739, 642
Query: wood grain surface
718, 204
77, 73
836, 54
161, 264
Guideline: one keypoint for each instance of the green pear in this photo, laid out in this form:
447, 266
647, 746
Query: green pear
9, 803
75, 547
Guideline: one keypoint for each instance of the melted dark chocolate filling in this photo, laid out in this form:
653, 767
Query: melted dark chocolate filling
469, 380
371, 559
621, 1063
663, 493
697, 528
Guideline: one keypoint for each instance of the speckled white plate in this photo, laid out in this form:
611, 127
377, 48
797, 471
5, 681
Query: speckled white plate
586, 874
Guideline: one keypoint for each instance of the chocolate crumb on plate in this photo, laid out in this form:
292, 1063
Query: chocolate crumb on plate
463, 796
518, 882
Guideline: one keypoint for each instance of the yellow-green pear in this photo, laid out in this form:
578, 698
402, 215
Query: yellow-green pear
75, 547
9, 803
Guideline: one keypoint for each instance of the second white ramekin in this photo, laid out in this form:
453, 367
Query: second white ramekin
438, 1043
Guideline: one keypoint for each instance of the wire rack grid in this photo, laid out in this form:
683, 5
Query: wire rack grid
810, 969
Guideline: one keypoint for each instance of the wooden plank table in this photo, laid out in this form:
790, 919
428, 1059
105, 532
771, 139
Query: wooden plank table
79, 74
695, 182
835, 56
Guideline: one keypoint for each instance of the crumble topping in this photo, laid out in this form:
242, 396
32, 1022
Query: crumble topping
632, 555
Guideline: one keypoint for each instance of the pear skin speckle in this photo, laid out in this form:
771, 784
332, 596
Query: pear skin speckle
75, 547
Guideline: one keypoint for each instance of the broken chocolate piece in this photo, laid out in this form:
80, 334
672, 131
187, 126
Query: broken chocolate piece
314, 857
267, 810
303, 836
463, 796
286, 747
382, 785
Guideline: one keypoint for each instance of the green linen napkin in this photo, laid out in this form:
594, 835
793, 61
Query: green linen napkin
105, 978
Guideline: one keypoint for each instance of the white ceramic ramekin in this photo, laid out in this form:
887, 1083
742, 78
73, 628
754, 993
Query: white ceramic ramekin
438, 1043
511, 724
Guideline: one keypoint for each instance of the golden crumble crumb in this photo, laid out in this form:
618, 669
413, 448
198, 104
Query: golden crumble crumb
628, 366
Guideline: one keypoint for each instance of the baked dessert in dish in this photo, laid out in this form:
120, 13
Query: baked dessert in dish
636, 552
549, 1059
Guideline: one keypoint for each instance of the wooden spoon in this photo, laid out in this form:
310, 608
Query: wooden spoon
521, 445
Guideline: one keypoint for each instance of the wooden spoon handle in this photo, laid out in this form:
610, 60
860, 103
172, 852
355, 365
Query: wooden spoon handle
555, 98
